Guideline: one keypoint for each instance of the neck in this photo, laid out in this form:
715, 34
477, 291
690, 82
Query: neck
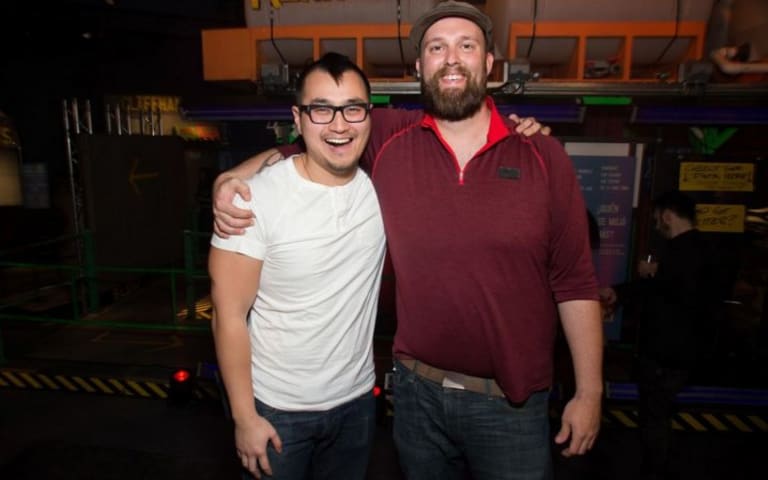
679, 229
477, 123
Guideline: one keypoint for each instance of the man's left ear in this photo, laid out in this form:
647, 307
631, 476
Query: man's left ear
296, 118
489, 62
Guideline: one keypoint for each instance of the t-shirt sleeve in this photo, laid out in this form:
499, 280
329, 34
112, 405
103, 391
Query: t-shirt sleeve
253, 242
571, 271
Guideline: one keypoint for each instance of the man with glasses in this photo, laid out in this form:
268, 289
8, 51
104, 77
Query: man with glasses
306, 277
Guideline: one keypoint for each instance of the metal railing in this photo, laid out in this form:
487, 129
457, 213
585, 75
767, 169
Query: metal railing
79, 288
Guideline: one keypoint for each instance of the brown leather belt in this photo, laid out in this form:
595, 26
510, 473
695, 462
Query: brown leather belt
451, 379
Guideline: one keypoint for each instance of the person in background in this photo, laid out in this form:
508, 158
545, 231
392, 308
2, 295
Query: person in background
674, 295
488, 240
295, 297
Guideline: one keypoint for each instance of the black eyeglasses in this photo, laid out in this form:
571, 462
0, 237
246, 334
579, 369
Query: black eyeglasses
324, 114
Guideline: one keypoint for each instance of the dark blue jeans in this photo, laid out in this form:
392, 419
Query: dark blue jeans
332, 444
443, 433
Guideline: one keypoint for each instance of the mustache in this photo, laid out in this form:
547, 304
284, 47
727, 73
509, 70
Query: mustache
447, 69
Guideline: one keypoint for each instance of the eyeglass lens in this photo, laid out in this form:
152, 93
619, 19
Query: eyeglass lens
325, 113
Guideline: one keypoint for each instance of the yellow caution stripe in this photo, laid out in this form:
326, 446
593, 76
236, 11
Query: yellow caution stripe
694, 421
129, 387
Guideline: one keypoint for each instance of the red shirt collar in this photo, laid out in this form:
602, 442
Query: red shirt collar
496, 132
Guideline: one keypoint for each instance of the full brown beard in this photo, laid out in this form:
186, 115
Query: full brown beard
453, 104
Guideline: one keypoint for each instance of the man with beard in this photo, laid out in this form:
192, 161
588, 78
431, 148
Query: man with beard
488, 240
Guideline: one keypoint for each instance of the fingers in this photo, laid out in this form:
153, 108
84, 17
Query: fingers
224, 231
579, 445
563, 434
256, 463
250, 463
218, 231
225, 228
264, 463
581, 442
225, 224
527, 126
276, 442
232, 215
229, 219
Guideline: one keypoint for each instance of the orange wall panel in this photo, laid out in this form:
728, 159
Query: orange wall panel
228, 54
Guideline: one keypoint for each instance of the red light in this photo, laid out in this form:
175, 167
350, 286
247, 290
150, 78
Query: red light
181, 376
376, 391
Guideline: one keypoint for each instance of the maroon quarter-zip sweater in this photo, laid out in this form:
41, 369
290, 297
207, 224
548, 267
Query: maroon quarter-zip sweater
482, 256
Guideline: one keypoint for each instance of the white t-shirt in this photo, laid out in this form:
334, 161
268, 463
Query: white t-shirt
311, 326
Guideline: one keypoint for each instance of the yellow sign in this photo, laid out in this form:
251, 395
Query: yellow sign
148, 103
256, 4
7, 137
720, 217
710, 176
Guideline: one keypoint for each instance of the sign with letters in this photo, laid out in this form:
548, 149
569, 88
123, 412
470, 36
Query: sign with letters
720, 217
721, 177
606, 174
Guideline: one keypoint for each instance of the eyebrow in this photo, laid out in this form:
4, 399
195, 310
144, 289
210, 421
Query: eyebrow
442, 38
324, 101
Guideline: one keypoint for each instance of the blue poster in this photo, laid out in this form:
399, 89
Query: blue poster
607, 183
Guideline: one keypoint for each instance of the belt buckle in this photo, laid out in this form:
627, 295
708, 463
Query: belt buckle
454, 380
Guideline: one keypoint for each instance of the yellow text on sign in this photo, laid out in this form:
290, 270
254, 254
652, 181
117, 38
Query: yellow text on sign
7, 137
149, 103
720, 217
710, 176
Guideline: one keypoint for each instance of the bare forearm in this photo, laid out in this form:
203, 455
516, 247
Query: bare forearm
583, 329
234, 285
234, 356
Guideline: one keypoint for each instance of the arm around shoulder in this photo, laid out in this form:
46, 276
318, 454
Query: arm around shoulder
228, 219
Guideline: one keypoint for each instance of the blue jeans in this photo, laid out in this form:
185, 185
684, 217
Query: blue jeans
331, 444
444, 433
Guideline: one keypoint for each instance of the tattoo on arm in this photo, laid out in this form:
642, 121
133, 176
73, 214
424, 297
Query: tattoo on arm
271, 160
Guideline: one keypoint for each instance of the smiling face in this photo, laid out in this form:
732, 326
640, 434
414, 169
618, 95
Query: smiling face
454, 67
333, 149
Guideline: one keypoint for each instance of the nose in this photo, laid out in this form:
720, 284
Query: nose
451, 56
338, 123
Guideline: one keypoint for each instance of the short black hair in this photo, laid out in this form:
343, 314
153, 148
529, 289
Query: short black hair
679, 203
335, 65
